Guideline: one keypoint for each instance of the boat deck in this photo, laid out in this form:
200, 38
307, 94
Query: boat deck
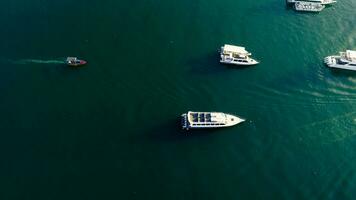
200, 117
308, 6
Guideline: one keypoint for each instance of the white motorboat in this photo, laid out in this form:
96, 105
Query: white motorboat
201, 120
345, 60
236, 55
75, 62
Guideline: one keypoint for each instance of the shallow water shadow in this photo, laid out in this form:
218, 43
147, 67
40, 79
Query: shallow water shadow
64, 69
211, 65
343, 73
171, 131
238, 67
268, 8
207, 64
289, 6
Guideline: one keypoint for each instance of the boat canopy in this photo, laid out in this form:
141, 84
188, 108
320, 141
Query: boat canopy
72, 58
218, 117
351, 55
235, 49
206, 117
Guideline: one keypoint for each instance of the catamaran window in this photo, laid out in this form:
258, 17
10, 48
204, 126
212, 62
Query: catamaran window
341, 62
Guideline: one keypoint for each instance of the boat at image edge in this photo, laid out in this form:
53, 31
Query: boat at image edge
345, 60
323, 2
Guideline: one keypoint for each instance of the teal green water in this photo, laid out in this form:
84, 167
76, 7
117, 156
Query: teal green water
110, 130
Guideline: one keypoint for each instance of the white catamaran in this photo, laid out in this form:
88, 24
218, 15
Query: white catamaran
236, 55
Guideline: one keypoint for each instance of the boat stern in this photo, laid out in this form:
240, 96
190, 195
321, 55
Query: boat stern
330, 61
184, 121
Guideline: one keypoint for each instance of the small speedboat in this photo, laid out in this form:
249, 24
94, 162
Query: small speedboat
75, 62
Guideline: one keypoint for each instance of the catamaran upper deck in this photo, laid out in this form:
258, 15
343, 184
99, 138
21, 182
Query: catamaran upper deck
234, 50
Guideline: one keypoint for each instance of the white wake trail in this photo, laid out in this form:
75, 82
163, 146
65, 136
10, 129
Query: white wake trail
37, 61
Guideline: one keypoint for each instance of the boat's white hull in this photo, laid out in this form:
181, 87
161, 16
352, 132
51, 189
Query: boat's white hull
328, 2
252, 62
331, 62
323, 2
347, 67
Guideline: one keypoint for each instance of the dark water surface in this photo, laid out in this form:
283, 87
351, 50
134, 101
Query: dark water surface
110, 130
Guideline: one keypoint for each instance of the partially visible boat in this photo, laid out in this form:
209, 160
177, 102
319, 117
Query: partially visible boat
345, 60
202, 120
304, 6
75, 62
323, 2
236, 55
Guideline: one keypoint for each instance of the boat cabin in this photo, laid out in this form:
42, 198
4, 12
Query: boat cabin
206, 118
73, 60
235, 51
348, 56
351, 55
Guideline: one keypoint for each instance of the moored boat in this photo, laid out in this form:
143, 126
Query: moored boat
236, 55
202, 120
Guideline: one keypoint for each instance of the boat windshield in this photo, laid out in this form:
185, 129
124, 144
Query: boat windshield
341, 62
